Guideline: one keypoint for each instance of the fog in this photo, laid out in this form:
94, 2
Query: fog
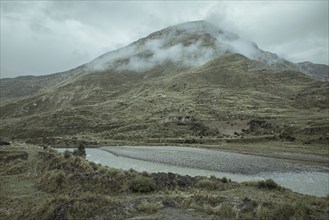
43, 37
189, 44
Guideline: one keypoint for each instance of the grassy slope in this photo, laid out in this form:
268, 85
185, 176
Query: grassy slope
208, 105
49, 185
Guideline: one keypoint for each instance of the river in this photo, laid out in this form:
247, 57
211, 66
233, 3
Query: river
301, 178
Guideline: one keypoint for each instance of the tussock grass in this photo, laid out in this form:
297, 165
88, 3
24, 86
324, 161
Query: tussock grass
264, 184
268, 184
84, 206
147, 207
16, 167
73, 188
207, 184
142, 184
53, 181
226, 211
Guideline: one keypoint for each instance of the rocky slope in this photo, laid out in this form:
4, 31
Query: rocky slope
316, 71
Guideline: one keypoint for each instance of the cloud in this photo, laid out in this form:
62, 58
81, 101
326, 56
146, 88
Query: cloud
43, 37
143, 55
286, 28
190, 44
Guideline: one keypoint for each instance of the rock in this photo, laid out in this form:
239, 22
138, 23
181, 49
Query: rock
4, 143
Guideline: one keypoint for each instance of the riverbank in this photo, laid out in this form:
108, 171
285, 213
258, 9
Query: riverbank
210, 159
299, 177
47, 184
267, 146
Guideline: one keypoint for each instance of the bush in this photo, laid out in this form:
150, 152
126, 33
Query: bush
16, 167
224, 180
93, 165
291, 211
206, 184
86, 205
67, 154
147, 207
81, 151
142, 184
53, 180
267, 184
226, 211
287, 135
262, 213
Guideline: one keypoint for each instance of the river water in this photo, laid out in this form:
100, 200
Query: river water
300, 178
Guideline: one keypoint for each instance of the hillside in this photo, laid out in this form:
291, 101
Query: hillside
187, 84
44, 184
316, 71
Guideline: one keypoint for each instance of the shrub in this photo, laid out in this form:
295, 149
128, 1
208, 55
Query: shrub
226, 211
147, 207
205, 198
287, 135
16, 167
291, 211
93, 165
52, 181
267, 184
206, 184
142, 184
262, 213
284, 211
224, 180
248, 216
60, 178
86, 205
67, 154
81, 151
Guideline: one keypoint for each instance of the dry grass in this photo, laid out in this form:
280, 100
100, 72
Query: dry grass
54, 186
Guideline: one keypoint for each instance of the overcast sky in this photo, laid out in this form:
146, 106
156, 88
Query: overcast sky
45, 37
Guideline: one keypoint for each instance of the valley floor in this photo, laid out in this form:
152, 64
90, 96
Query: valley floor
302, 151
44, 184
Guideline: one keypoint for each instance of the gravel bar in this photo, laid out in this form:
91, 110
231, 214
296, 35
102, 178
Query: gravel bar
211, 159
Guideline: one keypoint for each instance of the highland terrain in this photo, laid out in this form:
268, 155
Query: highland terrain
192, 84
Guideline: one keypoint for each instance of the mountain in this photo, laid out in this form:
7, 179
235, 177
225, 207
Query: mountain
316, 71
13, 89
189, 44
188, 83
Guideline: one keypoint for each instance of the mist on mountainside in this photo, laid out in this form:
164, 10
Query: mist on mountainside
190, 44
138, 118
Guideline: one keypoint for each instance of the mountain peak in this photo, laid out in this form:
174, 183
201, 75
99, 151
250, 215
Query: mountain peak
193, 29
195, 26
187, 44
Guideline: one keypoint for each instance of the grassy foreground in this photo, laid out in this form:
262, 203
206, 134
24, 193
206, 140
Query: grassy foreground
41, 183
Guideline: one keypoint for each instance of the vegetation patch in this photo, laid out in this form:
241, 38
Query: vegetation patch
207, 184
56, 186
84, 206
147, 207
53, 181
268, 184
226, 211
142, 184
16, 167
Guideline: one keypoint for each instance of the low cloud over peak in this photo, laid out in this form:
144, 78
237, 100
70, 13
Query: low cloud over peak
188, 44
50, 36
